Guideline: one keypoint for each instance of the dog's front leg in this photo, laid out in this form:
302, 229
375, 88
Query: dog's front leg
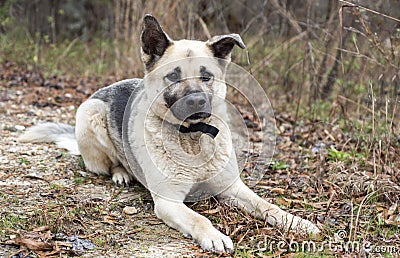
177, 215
240, 195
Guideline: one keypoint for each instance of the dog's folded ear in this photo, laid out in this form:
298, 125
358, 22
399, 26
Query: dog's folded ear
154, 41
221, 46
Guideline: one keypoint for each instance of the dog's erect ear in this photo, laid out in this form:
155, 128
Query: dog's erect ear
221, 46
154, 41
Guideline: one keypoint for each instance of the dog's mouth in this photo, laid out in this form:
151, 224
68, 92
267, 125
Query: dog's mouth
191, 116
198, 116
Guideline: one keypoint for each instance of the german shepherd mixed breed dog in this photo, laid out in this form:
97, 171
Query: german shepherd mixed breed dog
127, 130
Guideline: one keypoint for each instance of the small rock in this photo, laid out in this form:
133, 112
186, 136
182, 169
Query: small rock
13, 83
13, 236
10, 129
68, 95
31, 113
83, 173
318, 148
19, 127
130, 210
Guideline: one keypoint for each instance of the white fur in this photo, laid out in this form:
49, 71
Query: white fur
98, 151
61, 134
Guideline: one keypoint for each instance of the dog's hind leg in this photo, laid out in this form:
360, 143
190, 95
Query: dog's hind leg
240, 195
94, 144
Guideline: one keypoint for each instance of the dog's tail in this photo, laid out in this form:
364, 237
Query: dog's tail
61, 134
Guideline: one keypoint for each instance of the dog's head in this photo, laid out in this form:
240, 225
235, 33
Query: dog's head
183, 76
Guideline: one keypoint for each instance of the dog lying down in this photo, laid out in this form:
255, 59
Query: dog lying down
169, 131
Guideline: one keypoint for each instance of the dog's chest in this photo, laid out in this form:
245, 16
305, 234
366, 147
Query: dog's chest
192, 157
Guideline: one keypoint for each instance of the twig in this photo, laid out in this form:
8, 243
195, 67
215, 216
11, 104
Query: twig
369, 10
65, 52
359, 213
355, 103
277, 50
241, 239
287, 15
373, 124
204, 26
329, 202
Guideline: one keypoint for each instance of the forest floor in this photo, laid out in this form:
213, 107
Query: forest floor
52, 206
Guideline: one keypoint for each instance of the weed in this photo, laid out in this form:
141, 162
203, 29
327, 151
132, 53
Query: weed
278, 165
81, 163
336, 155
244, 252
99, 209
55, 186
99, 241
12, 222
78, 180
24, 161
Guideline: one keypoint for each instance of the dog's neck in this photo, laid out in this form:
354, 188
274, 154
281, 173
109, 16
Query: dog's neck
197, 145
208, 129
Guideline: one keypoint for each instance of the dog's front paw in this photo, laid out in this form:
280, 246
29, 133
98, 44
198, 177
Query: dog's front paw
120, 176
215, 241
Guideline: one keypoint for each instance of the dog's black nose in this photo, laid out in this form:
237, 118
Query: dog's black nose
196, 101
193, 105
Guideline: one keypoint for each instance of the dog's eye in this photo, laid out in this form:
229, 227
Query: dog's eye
206, 77
173, 77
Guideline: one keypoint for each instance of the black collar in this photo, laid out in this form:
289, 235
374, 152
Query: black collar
200, 127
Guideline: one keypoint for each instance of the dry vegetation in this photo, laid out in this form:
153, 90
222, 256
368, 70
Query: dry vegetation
331, 70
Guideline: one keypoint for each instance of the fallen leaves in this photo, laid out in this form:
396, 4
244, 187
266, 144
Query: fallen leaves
45, 243
389, 216
32, 244
212, 211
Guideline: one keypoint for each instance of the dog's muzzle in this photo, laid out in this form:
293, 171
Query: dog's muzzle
193, 107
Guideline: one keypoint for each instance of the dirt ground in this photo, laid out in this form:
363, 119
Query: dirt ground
52, 206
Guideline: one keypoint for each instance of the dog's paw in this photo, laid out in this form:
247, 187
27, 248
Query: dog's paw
304, 227
216, 242
120, 176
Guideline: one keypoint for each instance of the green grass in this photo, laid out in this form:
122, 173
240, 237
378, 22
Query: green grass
10, 221
99, 241
278, 165
24, 161
55, 186
78, 180
81, 163
75, 56
335, 155
245, 253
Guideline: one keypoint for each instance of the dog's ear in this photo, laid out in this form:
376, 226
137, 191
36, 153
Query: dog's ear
154, 41
221, 46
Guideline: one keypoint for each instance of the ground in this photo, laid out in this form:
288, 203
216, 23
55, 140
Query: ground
51, 205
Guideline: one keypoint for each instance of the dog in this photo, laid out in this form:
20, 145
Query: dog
170, 131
